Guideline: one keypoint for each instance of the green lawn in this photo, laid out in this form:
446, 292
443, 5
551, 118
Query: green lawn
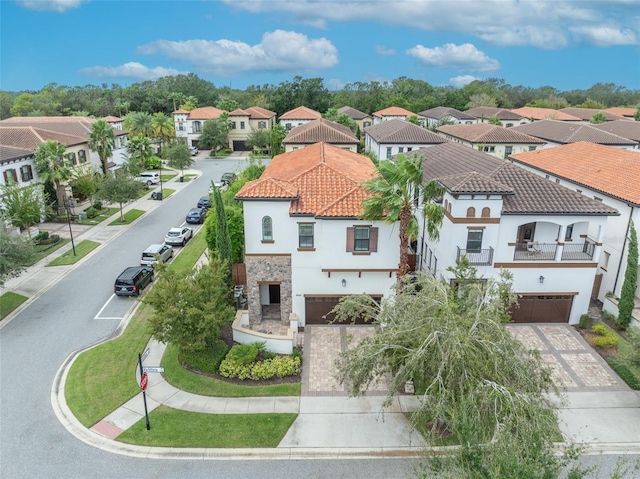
187, 258
82, 249
44, 250
176, 428
167, 177
166, 192
129, 217
10, 301
104, 214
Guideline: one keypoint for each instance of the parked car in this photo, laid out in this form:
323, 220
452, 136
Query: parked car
218, 185
196, 215
194, 150
204, 202
178, 235
133, 280
155, 253
148, 177
228, 178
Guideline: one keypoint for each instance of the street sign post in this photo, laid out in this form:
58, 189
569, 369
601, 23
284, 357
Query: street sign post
153, 369
144, 379
145, 354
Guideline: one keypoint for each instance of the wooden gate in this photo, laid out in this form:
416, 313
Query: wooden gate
239, 271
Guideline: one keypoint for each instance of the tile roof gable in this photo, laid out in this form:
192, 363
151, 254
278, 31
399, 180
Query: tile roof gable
563, 132
320, 130
488, 133
394, 111
301, 113
400, 131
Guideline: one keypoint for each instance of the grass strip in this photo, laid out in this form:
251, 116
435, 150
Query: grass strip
168, 177
103, 215
82, 249
191, 253
194, 383
44, 250
176, 428
10, 301
166, 192
129, 217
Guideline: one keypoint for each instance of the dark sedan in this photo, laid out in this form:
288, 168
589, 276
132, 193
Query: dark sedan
196, 215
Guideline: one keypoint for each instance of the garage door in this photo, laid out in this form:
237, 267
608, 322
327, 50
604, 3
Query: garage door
239, 146
542, 309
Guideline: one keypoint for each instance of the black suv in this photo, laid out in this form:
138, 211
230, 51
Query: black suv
133, 280
228, 178
204, 202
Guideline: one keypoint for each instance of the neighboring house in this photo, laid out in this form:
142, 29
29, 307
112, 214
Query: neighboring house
556, 133
17, 165
493, 139
533, 113
502, 217
507, 117
441, 114
114, 121
624, 128
398, 136
321, 130
627, 113
394, 113
244, 121
360, 118
298, 116
609, 175
188, 124
586, 114
305, 244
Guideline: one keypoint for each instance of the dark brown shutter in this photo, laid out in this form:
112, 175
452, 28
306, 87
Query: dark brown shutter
30, 172
373, 240
350, 239
6, 177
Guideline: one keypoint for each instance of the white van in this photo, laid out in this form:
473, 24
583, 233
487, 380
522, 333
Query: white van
155, 253
148, 177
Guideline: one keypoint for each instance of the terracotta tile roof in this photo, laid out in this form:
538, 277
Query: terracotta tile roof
487, 133
259, 113
301, 113
443, 111
205, 113
239, 112
394, 111
532, 194
68, 125
112, 119
587, 113
352, 113
9, 153
402, 132
180, 111
28, 137
535, 113
327, 179
321, 130
563, 132
474, 182
613, 171
622, 111
624, 128
484, 112
49, 119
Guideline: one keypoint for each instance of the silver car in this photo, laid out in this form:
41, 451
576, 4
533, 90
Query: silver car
178, 235
155, 253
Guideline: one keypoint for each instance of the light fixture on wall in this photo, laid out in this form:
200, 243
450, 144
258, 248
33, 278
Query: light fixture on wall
268, 266
541, 279
344, 283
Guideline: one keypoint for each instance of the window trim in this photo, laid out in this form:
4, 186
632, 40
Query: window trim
267, 230
470, 241
312, 236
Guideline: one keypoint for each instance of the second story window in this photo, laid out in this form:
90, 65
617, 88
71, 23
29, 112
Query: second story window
474, 240
569, 233
262, 124
242, 125
197, 126
388, 152
233, 125
26, 173
82, 156
362, 239
10, 176
267, 229
305, 235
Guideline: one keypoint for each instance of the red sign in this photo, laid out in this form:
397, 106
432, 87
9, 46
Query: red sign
143, 381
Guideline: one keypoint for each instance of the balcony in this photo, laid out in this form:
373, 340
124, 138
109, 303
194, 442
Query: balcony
578, 251
534, 251
478, 257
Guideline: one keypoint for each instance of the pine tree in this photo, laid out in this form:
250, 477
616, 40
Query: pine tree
628, 293
223, 240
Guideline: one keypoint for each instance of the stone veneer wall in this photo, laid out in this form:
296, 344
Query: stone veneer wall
279, 272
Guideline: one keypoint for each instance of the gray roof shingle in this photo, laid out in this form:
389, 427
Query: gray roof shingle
321, 130
402, 132
566, 132
487, 133
443, 111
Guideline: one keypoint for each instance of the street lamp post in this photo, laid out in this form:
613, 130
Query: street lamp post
160, 179
68, 207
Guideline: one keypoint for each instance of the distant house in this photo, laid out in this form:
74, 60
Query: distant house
627, 113
394, 113
507, 117
610, 176
624, 128
391, 137
114, 121
298, 116
245, 120
360, 118
586, 114
555, 133
496, 140
437, 116
321, 130
188, 124
536, 114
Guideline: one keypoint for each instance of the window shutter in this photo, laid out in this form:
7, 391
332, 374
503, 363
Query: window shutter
30, 172
350, 239
6, 177
373, 240
22, 175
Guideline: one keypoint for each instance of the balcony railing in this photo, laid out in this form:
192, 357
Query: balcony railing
578, 251
478, 257
534, 251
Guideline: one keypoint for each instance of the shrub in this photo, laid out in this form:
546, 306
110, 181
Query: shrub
599, 329
625, 374
297, 353
43, 235
584, 321
279, 366
152, 163
245, 354
91, 212
207, 361
609, 316
97, 205
609, 340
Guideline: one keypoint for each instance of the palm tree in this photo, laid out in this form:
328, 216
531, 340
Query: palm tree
163, 127
397, 195
52, 166
139, 152
178, 98
139, 123
102, 140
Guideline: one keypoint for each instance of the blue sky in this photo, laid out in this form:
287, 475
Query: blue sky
569, 44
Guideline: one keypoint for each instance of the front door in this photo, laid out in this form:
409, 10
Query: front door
526, 232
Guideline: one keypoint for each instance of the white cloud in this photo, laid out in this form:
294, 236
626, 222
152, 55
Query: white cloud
51, 5
380, 50
463, 57
279, 51
462, 80
133, 70
605, 36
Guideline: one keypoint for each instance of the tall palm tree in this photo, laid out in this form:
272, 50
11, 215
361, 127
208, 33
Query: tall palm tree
102, 140
139, 152
52, 166
178, 98
398, 195
139, 123
163, 127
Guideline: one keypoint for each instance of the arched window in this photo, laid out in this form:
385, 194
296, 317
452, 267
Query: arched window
446, 205
449, 208
486, 212
267, 229
471, 212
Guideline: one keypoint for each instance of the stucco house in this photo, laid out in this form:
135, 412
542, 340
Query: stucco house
298, 116
507, 117
555, 133
533, 113
321, 130
395, 136
305, 244
502, 217
361, 119
435, 116
496, 140
610, 176
394, 113
586, 114
188, 124
624, 128
243, 121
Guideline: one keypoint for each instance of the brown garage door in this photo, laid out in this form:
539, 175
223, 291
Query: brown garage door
542, 309
240, 146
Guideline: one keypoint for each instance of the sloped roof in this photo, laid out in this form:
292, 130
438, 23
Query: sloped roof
474, 182
486, 133
622, 111
442, 111
395, 111
402, 132
532, 194
301, 113
352, 113
536, 113
326, 179
624, 128
8, 153
613, 171
562, 132
321, 130
112, 119
587, 113
482, 112
68, 125
205, 113
28, 137
254, 113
